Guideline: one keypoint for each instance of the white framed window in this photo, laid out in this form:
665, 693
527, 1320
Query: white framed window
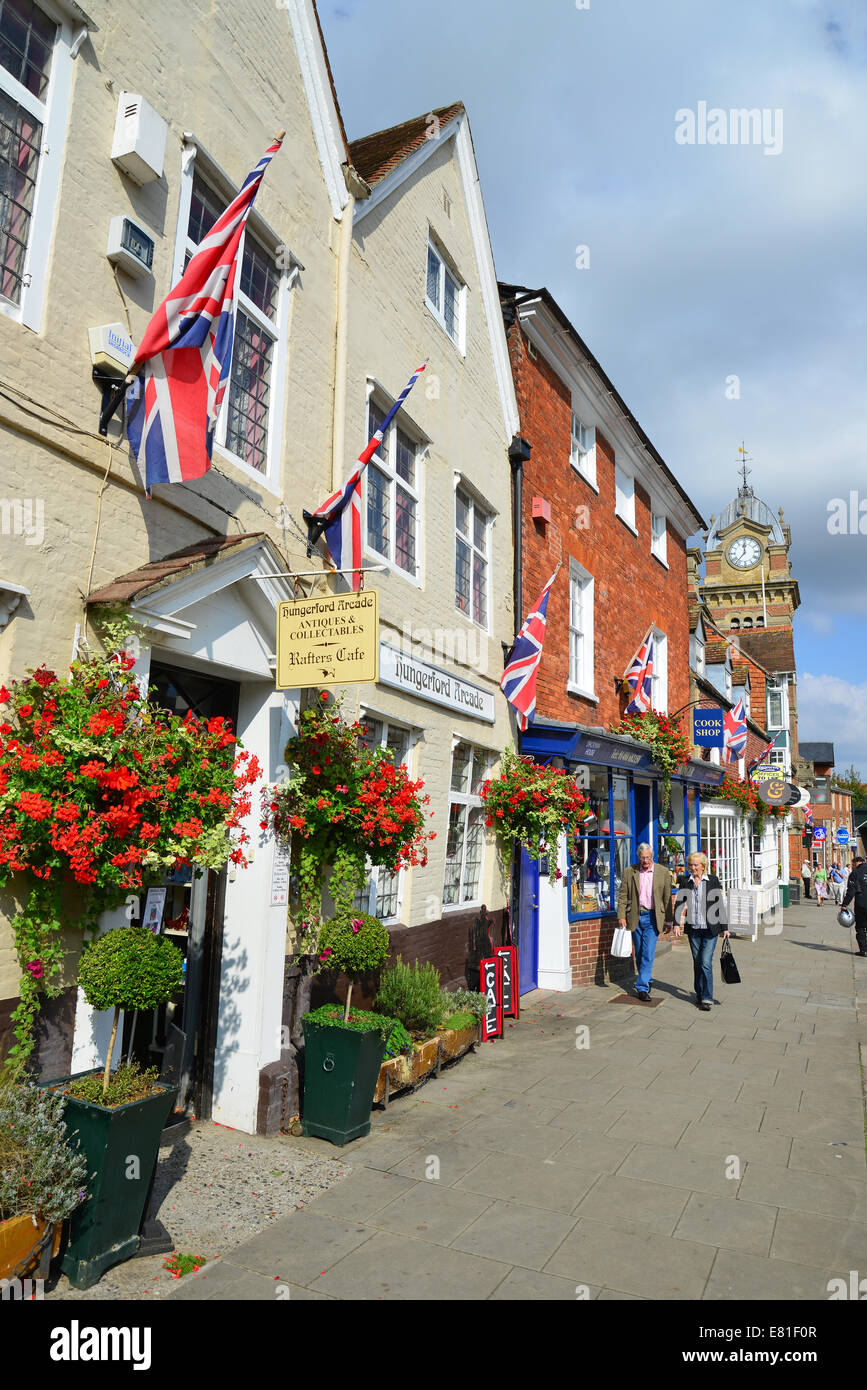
581, 676
659, 679
778, 757
472, 558
775, 709
465, 843
720, 841
392, 492
624, 507
699, 658
445, 296
35, 84
382, 895
583, 449
659, 536
250, 424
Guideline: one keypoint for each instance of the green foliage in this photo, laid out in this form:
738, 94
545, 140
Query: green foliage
457, 1021
412, 994
396, 1038
130, 968
463, 1001
127, 1084
40, 1173
355, 945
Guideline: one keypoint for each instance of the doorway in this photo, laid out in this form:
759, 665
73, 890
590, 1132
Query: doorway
528, 924
180, 1037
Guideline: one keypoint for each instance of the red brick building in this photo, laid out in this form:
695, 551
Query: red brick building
596, 498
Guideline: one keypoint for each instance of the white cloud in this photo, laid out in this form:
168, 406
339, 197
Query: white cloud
834, 710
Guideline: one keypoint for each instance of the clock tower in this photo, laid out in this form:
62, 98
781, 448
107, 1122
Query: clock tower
748, 584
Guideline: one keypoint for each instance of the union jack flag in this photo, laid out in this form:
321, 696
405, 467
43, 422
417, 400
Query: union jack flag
342, 512
187, 352
735, 732
639, 674
764, 753
518, 681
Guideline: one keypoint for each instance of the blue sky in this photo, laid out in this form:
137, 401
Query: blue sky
706, 260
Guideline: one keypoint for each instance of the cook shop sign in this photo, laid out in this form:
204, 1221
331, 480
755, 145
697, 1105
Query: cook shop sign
431, 683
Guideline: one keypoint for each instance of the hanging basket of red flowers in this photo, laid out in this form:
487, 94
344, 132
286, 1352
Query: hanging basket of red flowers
532, 805
346, 807
666, 740
100, 789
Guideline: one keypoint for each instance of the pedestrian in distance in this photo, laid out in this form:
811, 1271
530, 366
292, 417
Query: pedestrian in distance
644, 906
700, 909
837, 882
856, 889
820, 886
806, 874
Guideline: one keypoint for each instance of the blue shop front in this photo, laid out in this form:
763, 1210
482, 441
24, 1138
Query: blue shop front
565, 924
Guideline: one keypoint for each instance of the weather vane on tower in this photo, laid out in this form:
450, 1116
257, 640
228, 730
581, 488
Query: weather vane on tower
745, 472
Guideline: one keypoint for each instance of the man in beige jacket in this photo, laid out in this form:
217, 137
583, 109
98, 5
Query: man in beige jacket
644, 905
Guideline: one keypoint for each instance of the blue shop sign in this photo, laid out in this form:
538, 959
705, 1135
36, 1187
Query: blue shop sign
589, 748
706, 773
707, 728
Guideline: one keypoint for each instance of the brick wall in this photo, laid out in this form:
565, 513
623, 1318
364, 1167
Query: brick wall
631, 587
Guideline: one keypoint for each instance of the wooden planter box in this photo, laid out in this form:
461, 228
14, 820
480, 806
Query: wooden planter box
399, 1073
24, 1246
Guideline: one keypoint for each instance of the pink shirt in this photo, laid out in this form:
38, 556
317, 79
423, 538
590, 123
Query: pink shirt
645, 888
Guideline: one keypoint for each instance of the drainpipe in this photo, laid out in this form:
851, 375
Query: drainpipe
519, 454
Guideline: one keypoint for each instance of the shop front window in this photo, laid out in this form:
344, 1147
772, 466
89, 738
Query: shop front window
590, 858
720, 842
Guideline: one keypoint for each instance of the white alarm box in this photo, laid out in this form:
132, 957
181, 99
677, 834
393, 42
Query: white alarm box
139, 139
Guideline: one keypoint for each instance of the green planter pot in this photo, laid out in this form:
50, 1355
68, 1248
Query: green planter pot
121, 1147
341, 1067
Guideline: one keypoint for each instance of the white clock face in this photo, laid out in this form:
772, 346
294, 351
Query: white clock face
744, 552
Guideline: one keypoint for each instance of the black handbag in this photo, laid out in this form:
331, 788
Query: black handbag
727, 965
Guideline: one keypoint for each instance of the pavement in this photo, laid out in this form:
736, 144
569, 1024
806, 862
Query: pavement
608, 1150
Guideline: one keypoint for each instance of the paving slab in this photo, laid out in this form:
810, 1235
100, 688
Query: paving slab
630, 1258
431, 1212
739, 1275
296, 1248
805, 1238
453, 1158
654, 1124
394, 1268
520, 1284
787, 1187
678, 1167
360, 1194
727, 1223
723, 1141
653, 1205
552, 1184
515, 1234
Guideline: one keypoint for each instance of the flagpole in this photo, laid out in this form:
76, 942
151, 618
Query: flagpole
621, 680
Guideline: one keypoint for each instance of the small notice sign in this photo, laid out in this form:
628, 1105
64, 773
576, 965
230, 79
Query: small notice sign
741, 910
280, 875
333, 640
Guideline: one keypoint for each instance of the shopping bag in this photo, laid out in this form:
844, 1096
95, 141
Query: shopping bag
622, 943
727, 964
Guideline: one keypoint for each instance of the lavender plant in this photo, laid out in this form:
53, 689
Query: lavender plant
40, 1173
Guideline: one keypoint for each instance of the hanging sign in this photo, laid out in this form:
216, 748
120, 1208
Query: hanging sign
774, 791
707, 728
820, 834
765, 772
508, 957
491, 981
842, 836
331, 640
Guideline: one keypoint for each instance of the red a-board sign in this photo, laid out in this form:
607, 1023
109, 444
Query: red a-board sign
508, 956
491, 981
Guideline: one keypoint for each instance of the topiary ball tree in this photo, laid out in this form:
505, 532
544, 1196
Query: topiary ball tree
355, 945
129, 968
